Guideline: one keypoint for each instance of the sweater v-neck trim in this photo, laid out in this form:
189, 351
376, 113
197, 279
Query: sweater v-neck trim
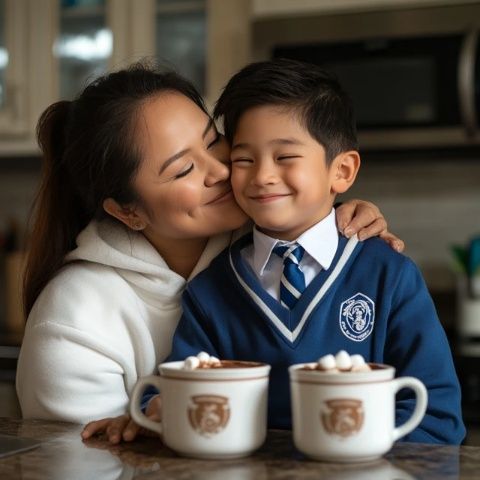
289, 324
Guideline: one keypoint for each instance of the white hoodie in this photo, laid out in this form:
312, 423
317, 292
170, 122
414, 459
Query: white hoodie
106, 319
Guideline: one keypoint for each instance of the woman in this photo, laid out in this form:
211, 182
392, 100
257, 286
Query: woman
135, 200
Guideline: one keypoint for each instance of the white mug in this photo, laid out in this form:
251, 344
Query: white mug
349, 416
208, 413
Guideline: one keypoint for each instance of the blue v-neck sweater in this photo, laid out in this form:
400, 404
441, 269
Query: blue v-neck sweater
371, 301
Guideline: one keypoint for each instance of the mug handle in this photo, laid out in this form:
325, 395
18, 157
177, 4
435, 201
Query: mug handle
138, 416
420, 405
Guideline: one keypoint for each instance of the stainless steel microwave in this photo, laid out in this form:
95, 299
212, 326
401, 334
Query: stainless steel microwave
413, 75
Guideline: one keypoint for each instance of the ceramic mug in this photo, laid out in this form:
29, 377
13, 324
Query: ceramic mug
349, 416
211, 412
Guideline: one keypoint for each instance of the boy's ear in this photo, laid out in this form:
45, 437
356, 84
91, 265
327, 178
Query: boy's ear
344, 170
126, 215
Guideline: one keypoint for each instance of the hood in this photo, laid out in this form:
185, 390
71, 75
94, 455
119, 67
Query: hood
111, 244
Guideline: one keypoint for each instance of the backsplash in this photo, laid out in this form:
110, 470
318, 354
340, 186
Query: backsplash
431, 204
17, 190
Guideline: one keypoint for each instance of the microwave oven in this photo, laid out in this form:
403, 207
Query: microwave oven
413, 75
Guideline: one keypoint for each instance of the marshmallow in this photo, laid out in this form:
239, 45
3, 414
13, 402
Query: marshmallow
214, 360
358, 364
191, 363
202, 360
357, 360
327, 362
204, 357
343, 360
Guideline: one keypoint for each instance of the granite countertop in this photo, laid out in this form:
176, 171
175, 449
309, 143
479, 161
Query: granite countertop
63, 455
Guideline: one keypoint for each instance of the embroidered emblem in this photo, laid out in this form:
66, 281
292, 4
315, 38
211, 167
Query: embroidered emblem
357, 316
209, 414
343, 416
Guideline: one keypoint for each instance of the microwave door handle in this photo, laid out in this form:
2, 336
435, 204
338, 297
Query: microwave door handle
466, 81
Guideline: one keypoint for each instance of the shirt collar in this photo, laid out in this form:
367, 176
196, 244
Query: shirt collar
319, 241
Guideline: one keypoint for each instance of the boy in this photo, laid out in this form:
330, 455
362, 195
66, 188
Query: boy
282, 297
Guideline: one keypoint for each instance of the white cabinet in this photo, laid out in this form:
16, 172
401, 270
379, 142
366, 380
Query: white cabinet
50, 49
13, 68
83, 45
28, 28
54, 47
181, 36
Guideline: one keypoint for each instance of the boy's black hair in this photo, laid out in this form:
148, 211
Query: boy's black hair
315, 94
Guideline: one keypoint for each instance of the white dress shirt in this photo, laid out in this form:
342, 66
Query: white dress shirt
320, 243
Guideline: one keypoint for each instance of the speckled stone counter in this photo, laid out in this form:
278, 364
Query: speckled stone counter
63, 455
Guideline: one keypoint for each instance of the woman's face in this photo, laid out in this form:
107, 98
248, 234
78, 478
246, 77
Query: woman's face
184, 179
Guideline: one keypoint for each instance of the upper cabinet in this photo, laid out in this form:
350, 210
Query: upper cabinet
83, 46
50, 49
181, 37
13, 68
99, 35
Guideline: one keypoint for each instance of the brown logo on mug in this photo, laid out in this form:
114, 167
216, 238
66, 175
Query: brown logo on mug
209, 414
343, 416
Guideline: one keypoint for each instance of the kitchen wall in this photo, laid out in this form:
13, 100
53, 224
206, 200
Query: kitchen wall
431, 203
17, 188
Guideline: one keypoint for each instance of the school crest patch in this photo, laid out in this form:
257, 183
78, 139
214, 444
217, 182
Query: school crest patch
357, 316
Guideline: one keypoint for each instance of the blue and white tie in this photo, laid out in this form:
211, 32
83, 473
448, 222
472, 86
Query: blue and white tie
292, 283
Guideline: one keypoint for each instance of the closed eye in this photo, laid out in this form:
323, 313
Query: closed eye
185, 172
287, 157
242, 160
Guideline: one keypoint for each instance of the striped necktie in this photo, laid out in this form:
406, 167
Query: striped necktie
292, 283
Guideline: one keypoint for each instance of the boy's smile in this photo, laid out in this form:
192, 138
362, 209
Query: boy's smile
279, 173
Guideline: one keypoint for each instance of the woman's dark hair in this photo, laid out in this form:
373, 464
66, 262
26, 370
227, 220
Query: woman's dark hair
89, 154
315, 94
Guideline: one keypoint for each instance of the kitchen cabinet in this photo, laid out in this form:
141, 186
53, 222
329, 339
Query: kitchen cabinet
180, 37
13, 67
83, 44
49, 50
28, 31
54, 47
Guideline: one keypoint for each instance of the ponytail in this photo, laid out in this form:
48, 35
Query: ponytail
57, 217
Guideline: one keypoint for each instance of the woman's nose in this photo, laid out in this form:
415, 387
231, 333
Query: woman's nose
217, 171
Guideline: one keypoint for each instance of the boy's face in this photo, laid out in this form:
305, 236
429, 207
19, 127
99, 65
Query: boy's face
279, 173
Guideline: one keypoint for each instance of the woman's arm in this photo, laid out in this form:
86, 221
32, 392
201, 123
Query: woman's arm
365, 219
78, 357
63, 374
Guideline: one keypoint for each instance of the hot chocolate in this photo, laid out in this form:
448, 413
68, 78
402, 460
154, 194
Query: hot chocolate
235, 364
205, 361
